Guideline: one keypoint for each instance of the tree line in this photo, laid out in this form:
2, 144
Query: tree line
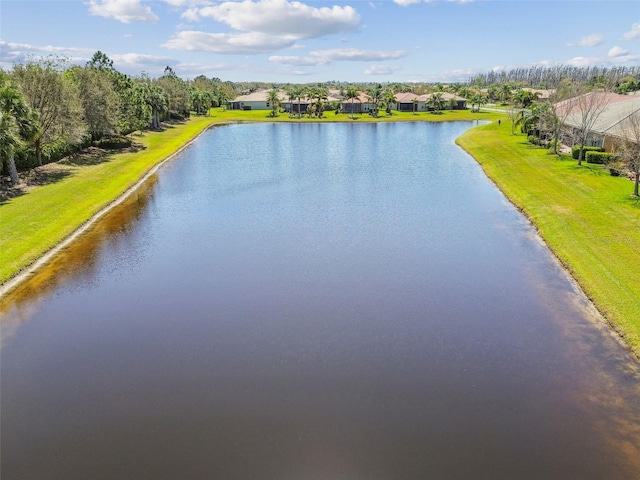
49, 108
622, 79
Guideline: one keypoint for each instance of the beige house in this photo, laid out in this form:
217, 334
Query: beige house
612, 109
253, 101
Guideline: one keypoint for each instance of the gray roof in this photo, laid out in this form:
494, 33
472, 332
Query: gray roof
611, 120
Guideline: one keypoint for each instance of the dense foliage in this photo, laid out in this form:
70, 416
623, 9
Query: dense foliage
51, 108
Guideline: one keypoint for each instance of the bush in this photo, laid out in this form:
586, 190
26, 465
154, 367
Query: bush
533, 139
113, 143
575, 151
599, 157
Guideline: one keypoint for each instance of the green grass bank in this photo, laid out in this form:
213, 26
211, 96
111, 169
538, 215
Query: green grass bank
35, 222
587, 217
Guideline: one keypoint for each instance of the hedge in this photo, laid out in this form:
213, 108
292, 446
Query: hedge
599, 157
575, 151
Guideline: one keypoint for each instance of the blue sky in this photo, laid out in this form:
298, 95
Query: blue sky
310, 41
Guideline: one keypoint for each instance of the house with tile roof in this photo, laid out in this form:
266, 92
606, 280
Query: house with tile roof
609, 126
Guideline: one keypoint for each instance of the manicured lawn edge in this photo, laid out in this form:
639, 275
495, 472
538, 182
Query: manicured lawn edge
37, 225
585, 216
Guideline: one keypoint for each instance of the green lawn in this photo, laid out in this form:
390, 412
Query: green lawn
330, 116
33, 223
587, 217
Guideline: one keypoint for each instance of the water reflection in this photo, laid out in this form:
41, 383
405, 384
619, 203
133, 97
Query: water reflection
319, 301
78, 261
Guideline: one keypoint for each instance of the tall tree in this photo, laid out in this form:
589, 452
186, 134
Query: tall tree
157, 100
561, 105
629, 152
99, 99
17, 124
588, 108
178, 94
374, 94
55, 99
388, 99
436, 101
351, 94
274, 100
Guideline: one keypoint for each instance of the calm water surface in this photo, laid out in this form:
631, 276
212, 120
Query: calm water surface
336, 301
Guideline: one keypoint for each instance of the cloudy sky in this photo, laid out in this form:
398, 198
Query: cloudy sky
310, 41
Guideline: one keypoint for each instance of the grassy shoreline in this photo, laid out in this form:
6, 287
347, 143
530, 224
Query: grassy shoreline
586, 217
33, 224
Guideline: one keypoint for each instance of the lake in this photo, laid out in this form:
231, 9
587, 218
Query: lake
314, 301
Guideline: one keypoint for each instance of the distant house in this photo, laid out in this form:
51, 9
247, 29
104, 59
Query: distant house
253, 101
609, 126
454, 102
541, 93
410, 102
360, 104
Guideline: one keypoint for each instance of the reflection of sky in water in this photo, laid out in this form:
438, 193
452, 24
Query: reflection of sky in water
344, 301
75, 266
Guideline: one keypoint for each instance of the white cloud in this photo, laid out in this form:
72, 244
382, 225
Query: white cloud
633, 33
617, 51
296, 61
588, 41
381, 69
19, 52
125, 11
191, 15
131, 63
227, 43
324, 57
284, 18
141, 60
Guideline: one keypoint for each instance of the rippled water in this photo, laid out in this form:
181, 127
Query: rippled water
335, 301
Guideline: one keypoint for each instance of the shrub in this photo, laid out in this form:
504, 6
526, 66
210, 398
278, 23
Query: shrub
599, 157
575, 151
113, 143
533, 139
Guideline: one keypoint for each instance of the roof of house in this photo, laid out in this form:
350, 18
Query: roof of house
588, 100
405, 97
542, 94
409, 97
257, 96
611, 120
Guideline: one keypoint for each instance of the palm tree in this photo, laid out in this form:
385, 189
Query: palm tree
415, 105
291, 96
9, 141
18, 123
437, 101
298, 93
319, 93
158, 100
388, 99
351, 94
223, 98
374, 94
274, 100
505, 92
